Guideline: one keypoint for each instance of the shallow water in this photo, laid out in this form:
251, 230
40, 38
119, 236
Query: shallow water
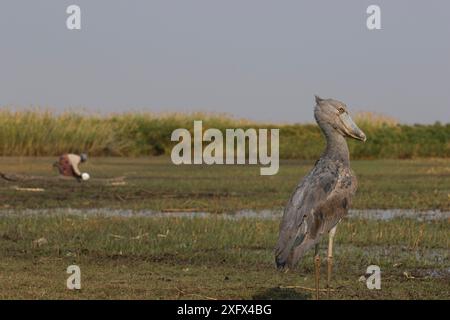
369, 214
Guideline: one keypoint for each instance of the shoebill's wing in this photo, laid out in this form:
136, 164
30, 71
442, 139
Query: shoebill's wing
305, 217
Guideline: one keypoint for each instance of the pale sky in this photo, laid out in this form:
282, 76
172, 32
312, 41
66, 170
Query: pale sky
258, 59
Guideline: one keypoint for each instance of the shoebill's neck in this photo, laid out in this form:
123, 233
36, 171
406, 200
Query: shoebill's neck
337, 148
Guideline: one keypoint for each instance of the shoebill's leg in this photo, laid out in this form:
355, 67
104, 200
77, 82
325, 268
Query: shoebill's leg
330, 257
317, 268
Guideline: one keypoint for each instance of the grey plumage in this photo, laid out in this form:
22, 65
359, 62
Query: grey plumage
322, 197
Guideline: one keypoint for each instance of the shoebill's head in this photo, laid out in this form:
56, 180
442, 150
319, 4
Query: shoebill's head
332, 115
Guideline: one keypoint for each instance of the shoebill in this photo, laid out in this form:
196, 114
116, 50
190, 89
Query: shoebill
322, 198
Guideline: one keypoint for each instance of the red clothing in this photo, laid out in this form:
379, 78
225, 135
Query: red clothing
68, 165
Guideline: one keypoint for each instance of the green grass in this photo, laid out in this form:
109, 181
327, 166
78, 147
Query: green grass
157, 184
43, 133
183, 258
171, 258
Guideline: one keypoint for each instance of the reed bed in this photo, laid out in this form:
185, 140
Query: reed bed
38, 132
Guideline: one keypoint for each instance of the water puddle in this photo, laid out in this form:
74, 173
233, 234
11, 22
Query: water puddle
369, 214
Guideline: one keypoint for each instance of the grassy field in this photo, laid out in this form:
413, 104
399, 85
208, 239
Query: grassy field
213, 258
157, 184
172, 258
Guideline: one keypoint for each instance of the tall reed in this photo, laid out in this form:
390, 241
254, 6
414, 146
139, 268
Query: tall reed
40, 132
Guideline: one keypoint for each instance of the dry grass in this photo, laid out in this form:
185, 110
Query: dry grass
374, 119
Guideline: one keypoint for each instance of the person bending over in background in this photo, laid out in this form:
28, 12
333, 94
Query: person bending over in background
68, 165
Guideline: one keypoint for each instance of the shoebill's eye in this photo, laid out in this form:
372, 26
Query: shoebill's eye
341, 110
